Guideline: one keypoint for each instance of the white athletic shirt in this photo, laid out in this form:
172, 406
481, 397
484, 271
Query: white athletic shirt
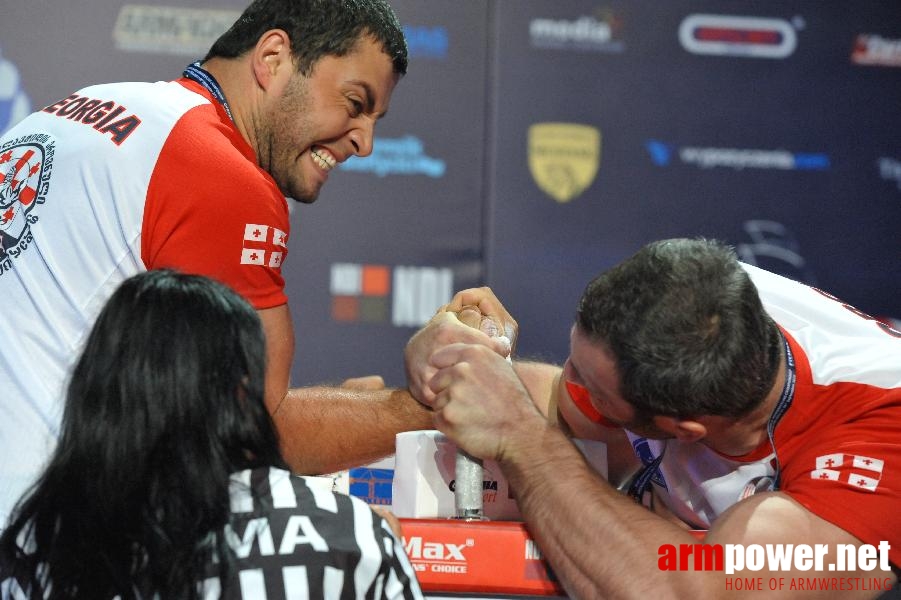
109, 181
838, 443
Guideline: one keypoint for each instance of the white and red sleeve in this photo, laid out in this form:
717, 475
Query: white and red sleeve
211, 210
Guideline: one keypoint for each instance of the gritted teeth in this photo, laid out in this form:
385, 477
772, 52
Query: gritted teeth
323, 158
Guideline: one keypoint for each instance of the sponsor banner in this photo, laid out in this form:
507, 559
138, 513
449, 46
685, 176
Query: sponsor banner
488, 557
401, 295
588, 33
876, 50
663, 153
397, 156
745, 36
170, 29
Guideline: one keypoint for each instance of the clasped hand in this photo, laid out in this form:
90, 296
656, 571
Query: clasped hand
473, 316
456, 364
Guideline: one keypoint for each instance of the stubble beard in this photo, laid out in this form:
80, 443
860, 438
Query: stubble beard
287, 124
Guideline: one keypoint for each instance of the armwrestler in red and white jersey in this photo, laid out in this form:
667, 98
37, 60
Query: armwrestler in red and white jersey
764, 411
192, 174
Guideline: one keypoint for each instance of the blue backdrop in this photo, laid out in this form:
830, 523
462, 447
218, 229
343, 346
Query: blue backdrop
534, 144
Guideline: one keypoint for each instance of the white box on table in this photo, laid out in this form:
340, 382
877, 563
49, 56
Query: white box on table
424, 478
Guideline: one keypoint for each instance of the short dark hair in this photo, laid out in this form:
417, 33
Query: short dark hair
164, 403
687, 330
317, 28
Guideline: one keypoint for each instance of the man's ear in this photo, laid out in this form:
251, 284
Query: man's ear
684, 430
271, 57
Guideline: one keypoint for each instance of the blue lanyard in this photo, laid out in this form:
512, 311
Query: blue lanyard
785, 400
197, 73
642, 481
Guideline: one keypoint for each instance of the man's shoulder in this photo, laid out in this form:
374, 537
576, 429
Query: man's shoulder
122, 118
162, 97
205, 139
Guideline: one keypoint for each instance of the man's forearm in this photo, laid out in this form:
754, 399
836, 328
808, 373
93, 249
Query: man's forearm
599, 542
326, 429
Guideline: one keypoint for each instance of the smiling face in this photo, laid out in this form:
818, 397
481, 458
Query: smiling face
591, 366
314, 122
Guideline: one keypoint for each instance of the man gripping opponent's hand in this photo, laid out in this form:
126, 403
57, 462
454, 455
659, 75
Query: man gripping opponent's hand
473, 316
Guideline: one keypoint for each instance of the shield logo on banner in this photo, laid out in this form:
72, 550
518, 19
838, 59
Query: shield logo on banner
564, 158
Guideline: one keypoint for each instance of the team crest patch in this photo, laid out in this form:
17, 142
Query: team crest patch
25, 165
861, 472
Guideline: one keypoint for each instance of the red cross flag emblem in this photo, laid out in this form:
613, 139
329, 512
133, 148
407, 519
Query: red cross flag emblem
861, 472
263, 245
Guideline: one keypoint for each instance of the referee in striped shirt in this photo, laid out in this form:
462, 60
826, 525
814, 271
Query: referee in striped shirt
168, 482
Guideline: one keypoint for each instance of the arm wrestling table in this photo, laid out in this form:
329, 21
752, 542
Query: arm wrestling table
491, 558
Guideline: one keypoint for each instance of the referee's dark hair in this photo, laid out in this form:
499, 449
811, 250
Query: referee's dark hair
317, 28
164, 403
686, 329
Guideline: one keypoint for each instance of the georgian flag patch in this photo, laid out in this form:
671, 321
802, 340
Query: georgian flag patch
263, 245
861, 472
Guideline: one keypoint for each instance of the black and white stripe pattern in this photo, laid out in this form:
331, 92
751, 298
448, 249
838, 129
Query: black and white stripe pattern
294, 541
297, 541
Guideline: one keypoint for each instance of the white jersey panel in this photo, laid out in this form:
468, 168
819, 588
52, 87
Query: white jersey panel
696, 483
843, 345
74, 183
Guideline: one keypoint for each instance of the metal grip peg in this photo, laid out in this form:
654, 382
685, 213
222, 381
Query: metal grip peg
468, 475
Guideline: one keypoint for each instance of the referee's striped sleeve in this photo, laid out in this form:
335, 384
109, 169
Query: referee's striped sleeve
383, 562
370, 553
402, 581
